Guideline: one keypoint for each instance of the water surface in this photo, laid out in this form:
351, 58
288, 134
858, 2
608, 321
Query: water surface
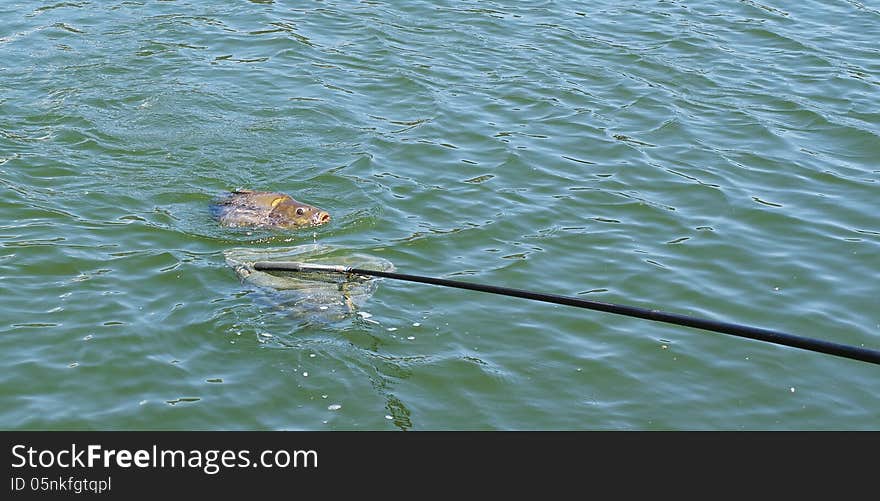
716, 159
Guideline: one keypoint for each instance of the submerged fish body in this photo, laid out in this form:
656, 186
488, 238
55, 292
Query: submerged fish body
267, 209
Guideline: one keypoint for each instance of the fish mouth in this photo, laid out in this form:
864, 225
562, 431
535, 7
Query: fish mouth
320, 218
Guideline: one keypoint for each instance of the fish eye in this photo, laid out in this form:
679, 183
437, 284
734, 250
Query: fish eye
300, 211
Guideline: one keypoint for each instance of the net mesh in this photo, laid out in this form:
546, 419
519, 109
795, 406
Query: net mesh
316, 294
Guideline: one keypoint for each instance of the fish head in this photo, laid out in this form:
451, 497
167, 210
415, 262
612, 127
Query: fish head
289, 213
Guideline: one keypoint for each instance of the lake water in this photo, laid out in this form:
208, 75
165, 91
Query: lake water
716, 159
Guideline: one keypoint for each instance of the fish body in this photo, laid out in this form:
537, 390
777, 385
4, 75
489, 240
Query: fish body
267, 209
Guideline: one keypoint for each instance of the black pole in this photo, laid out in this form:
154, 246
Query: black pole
770, 336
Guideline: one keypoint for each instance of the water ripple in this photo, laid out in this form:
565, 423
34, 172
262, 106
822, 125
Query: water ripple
715, 159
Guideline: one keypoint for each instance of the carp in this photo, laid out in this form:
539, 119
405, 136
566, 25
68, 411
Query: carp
267, 209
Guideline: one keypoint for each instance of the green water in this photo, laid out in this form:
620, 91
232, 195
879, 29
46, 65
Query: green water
716, 159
